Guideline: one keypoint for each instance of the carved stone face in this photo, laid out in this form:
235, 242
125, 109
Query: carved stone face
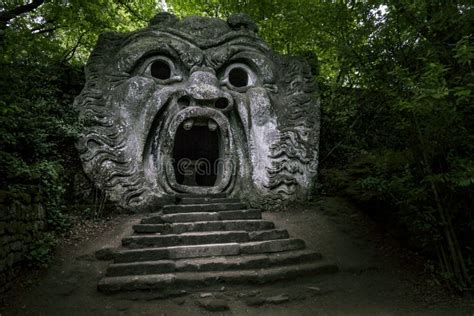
197, 106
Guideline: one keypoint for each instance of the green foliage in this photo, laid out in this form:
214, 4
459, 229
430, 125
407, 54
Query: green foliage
42, 52
42, 249
396, 82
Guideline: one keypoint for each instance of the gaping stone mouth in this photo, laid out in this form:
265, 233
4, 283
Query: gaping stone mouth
196, 152
198, 145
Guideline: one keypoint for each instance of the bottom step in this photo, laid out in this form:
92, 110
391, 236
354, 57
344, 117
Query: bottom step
166, 281
225, 263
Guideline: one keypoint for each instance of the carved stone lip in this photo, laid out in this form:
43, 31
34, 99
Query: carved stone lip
225, 166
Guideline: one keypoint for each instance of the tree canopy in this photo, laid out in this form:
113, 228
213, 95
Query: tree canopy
396, 82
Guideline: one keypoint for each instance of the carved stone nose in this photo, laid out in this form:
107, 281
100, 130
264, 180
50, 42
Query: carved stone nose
204, 89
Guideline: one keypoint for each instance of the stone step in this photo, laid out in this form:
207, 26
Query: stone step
228, 263
192, 208
192, 279
185, 201
158, 218
179, 228
177, 252
201, 196
276, 245
208, 250
196, 238
185, 239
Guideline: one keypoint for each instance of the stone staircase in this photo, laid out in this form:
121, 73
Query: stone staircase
207, 240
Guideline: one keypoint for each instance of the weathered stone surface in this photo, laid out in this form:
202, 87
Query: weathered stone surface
141, 268
150, 94
202, 216
177, 252
245, 262
272, 246
277, 299
179, 228
185, 239
245, 214
132, 283
201, 196
185, 248
195, 238
194, 200
160, 281
268, 234
204, 295
172, 209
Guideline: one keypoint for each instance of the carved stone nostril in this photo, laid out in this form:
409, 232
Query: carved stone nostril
184, 101
221, 103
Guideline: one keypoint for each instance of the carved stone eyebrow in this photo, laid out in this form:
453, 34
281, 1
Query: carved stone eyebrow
138, 48
189, 55
218, 58
130, 56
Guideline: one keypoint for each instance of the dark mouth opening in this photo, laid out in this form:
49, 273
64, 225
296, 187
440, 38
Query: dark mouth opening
196, 152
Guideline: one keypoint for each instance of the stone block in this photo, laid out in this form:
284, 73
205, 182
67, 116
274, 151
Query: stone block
276, 122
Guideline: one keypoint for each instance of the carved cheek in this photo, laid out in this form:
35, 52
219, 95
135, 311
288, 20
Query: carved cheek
260, 106
241, 106
263, 133
133, 93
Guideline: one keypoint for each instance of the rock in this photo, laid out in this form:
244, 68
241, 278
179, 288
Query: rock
180, 301
252, 293
105, 254
204, 295
277, 299
214, 305
255, 301
314, 288
111, 153
277, 245
316, 291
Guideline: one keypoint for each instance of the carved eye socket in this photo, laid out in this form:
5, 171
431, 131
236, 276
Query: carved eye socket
239, 76
160, 69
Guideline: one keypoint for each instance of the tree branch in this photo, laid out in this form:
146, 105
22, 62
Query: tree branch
45, 30
131, 10
69, 54
8, 15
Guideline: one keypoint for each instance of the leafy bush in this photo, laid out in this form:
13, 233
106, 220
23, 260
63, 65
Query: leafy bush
42, 249
396, 80
37, 132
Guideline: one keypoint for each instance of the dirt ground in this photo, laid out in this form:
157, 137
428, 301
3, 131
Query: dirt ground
377, 277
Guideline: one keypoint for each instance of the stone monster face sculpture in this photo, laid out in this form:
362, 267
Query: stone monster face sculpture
200, 106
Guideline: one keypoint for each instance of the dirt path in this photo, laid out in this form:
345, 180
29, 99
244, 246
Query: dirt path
377, 277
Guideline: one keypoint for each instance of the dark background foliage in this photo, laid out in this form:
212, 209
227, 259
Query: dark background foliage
396, 83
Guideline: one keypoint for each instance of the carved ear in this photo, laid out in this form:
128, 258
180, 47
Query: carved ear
240, 20
107, 45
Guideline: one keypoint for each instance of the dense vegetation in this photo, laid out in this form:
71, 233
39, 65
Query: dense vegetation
396, 81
